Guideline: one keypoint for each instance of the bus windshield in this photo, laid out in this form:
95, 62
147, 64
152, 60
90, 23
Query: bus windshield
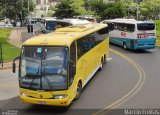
146, 26
44, 68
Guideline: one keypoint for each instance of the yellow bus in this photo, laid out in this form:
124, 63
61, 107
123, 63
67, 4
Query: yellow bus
55, 67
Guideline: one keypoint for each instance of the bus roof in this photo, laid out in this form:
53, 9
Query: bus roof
72, 21
64, 36
48, 18
128, 21
76, 21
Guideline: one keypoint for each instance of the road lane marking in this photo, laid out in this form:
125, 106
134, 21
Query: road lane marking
109, 59
132, 92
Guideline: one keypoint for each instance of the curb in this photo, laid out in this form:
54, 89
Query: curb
7, 65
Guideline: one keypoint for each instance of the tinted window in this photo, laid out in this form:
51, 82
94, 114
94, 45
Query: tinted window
101, 35
110, 26
124, 27
103, 31
129, 27
146, 26
72, 69
90, 41
85, 44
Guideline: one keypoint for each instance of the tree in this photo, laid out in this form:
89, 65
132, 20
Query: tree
149, 9
114, 10
97, 6
70, 8
16, 9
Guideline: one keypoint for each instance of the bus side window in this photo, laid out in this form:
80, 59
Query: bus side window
125, 29
110, 26
89, 42
72, 64
115, 26
130, 27
103, 31
101, 35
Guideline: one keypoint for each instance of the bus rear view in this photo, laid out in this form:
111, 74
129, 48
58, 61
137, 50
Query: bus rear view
146, 36
132, 34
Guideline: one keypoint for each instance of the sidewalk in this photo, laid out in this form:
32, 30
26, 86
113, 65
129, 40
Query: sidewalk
8, 65
15, 37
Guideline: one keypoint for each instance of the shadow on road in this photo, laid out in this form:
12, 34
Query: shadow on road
120, 48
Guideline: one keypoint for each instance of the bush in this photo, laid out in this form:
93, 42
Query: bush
157, 24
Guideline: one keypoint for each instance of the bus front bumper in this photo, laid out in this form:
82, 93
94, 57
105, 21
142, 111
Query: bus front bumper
52, 102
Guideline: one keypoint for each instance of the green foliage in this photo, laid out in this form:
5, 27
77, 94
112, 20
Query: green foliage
115, 10
63, 9
149, 9
157, 24
69, 8
9, 52
16, 9
157, 32
158, 43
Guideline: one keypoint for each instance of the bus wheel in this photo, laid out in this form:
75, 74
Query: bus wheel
102, 63
104, 59
79, 89
124, 45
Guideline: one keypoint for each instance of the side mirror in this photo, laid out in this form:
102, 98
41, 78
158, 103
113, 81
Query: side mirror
14, 65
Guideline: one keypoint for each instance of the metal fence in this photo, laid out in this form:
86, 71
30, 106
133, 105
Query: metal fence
1, 57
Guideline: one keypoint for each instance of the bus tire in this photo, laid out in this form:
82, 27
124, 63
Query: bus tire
102, 64
104, 59
79, 89
124, 45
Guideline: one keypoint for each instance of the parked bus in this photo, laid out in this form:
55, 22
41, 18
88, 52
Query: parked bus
132, 34
51, 24
55, 67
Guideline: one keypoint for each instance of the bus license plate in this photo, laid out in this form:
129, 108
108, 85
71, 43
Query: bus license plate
42, 102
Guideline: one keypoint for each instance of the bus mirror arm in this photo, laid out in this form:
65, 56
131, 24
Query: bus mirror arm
14, 65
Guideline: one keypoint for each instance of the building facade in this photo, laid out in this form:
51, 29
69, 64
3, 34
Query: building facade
42, 7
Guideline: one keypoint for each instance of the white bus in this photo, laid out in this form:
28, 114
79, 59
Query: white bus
51, 24
132, 34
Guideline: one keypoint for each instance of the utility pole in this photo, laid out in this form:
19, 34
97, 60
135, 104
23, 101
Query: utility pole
21, 12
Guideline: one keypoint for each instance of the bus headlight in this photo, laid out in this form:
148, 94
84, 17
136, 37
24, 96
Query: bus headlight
24, 94
60, 96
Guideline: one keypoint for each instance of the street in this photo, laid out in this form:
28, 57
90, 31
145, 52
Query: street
124, 83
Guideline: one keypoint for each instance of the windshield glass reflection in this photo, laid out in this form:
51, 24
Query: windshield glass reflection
44, 68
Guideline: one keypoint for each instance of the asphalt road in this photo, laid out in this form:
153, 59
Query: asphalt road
123, 83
